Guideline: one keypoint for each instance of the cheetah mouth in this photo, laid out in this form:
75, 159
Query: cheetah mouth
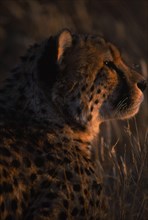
132, 109
124, 108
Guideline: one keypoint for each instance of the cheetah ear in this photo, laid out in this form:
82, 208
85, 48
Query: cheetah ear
64, 42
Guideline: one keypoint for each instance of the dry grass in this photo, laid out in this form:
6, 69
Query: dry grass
125, 177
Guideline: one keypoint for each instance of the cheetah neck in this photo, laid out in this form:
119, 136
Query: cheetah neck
87, 137
22, 98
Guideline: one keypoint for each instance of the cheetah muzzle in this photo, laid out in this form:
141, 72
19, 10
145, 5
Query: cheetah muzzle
50, 111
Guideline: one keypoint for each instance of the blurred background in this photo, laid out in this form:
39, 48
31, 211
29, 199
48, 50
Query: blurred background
123, 22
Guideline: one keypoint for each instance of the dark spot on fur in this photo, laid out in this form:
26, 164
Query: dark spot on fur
45, 213
91, 108
1, 188
91, 203
46, 204
86, 192
14, 205
92, 88
81, 170
63, 187
62, 216
66, 140
79, 110
45, 184
87, 172
77, 148
77, 170
51, 172
23, 205
82, 212
73, 98
29, 148
5, 152
72, 197
15, 182
6, 187
4, 162
96, 101
98, 91
51, 195
2, 207
75, 211
66, 160
81, 200
97, 187
69, 175
65, 204
98, 78
97, 203
5, 173
50, 157
15, 147
26, 162
32, 191
39, 161
79, 95
91, 97
25, 196
91, 170
76, 187
104, 95
33, 177
83, 88
48, 145
15, 164
10, 217
89, 117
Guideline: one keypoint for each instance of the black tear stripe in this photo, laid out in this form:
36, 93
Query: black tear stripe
112, 66
122, 89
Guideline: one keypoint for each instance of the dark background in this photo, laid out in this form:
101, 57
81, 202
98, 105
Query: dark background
123, 22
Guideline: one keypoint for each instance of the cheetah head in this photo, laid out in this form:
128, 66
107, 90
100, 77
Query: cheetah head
93, 82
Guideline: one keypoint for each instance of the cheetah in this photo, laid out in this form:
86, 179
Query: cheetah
51, 107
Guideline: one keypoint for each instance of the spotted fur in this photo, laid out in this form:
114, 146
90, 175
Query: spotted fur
50, 111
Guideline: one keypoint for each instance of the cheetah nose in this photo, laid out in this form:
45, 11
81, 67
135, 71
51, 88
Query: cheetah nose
142, 85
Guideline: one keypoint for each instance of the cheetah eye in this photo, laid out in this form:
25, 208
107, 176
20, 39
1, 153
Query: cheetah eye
106, 63
110, 64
